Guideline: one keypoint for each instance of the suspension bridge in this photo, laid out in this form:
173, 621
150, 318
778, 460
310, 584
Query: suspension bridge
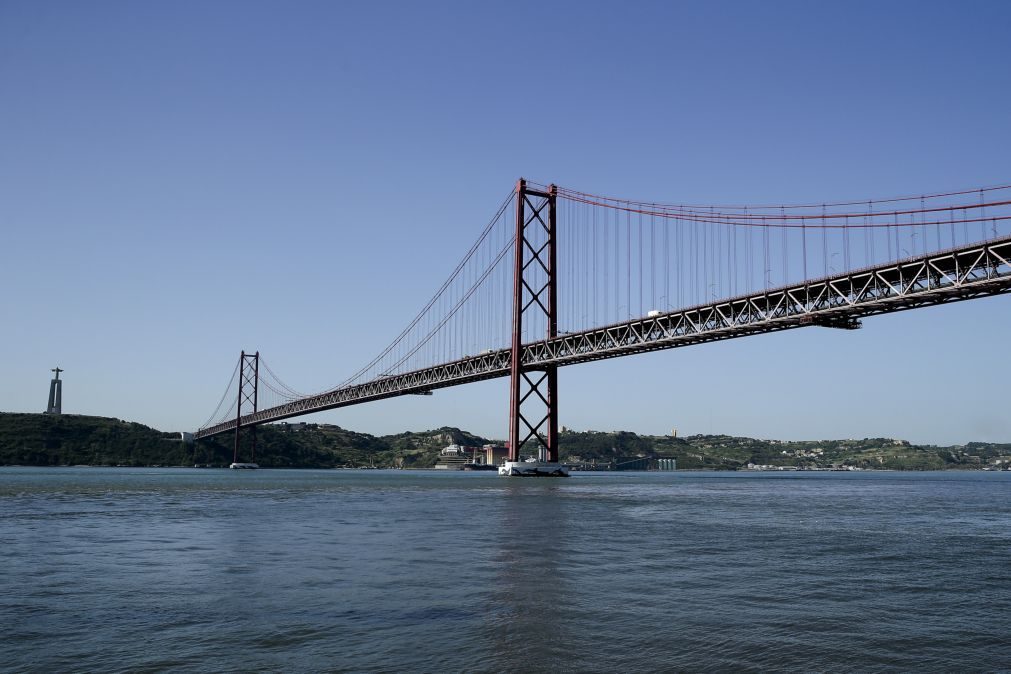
559, 277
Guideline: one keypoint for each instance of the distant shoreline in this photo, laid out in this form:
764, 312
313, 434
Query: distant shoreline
28, 439
416, 469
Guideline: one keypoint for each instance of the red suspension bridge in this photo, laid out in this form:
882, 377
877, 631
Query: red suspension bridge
559, 277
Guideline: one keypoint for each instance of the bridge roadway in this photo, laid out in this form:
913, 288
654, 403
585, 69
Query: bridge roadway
964, 273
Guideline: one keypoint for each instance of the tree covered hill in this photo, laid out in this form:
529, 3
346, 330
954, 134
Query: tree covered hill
309, 445
729, 452
70, 439
53, 440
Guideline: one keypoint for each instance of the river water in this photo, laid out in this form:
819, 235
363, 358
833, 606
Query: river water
215, 570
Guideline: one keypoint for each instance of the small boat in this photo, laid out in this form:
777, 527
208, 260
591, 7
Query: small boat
245, 466
533, 469
479, 466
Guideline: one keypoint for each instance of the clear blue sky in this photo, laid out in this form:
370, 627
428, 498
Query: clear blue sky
182, 180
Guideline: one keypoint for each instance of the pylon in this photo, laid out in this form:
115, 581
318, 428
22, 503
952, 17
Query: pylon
249, 379
533, 410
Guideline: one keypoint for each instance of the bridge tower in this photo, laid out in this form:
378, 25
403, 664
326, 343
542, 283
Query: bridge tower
533, 403
249, 378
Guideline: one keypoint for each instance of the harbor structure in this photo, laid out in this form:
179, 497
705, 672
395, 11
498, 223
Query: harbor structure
453, 457
495, 455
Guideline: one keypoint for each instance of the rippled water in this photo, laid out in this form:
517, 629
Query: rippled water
211, 570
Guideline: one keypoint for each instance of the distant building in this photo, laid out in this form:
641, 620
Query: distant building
630, 463
454, 457
495, 455
452, 450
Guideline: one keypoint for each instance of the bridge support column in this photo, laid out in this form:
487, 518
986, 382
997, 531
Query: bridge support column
249, 379
533, 402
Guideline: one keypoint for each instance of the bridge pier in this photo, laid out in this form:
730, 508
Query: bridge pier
533, 403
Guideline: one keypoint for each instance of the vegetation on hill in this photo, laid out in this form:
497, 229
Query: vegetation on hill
327, 446
53, 440
421, 450
717, 452
72, 439
61, 440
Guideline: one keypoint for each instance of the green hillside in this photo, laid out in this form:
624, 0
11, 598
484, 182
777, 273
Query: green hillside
729, 452
71, 439
55, 440
52, 440
327, 446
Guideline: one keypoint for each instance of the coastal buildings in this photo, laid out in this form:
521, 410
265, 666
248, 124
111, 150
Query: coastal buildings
456, 457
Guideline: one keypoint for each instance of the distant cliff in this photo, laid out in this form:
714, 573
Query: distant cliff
52, 440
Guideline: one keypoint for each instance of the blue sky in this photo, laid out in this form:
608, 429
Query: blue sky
180, 181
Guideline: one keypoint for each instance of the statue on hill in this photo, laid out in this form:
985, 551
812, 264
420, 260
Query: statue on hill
55, 393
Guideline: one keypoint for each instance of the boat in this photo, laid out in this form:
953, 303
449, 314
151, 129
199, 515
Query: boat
533, 469
532, 466
479, 466
244, 466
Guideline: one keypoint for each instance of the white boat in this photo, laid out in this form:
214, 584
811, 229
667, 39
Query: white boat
533, 469
246, 466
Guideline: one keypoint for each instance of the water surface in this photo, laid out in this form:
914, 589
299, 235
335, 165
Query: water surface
213, 570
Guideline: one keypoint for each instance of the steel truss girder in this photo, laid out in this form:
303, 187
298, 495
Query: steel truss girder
970, 272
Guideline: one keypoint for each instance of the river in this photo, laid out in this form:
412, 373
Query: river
298, 570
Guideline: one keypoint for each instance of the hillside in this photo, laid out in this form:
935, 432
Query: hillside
51, 440
47, 440
70, 439
729, 452
310, 445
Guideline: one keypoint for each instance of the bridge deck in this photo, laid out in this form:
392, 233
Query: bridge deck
838, 301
